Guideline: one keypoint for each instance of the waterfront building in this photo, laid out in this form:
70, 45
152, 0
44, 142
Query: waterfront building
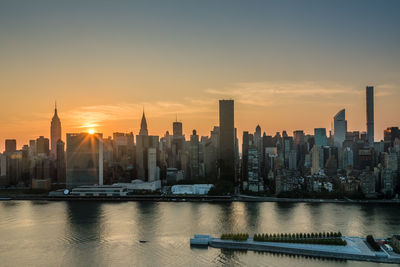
99, 190
339, 128
227, 140
139, 185
55, 132
369, 91
320, 137
84, 159
195, 189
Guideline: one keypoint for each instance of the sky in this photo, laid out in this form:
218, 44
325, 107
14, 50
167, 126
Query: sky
288, 65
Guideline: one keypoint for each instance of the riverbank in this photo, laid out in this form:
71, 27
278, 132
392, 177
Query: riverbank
356, 249
191, 198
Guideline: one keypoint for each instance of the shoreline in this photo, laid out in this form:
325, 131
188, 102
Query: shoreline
188, 198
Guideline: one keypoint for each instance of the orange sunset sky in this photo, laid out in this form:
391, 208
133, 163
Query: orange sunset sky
287, 68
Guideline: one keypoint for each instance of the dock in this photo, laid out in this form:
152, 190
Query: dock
356, 249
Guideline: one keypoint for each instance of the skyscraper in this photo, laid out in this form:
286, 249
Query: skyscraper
143, 126
320, 137
177, 128
227, 140
55, 132
146, 158
370, 114
84, 159
60, 162
152, 164
194, 155
11, 145
42, 146
245, 154
339, 128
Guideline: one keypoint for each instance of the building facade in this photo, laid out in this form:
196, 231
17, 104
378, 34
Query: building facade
226, 140
84, 164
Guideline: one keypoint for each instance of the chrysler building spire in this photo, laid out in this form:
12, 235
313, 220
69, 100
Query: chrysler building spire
143, 126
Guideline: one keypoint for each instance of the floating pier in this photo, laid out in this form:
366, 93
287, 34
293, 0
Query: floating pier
355, 249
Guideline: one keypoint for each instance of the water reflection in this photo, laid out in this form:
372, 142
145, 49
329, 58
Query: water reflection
107, 234
83, 219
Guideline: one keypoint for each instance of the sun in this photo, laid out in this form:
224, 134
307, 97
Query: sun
91, 131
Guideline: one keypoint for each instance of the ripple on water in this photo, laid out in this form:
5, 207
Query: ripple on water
108, 234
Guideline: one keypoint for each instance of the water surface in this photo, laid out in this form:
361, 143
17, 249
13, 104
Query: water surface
91, 233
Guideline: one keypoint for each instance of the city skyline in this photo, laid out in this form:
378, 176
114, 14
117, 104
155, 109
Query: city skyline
199, 133
93, 127
103, 63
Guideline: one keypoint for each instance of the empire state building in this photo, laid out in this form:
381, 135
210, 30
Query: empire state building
55, 132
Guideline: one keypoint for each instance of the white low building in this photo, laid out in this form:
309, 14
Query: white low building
196, 189
99, 191
137, 185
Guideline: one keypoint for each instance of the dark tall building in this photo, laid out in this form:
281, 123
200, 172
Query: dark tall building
245, 154
42, 145
227, 140
55, 132
84, 164
60, 162
370, 114
177, 128
11, 145
194, 155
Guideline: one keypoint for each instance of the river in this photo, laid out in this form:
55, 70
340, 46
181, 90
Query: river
93, 233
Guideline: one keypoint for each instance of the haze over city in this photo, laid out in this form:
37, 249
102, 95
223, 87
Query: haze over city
199, 133
288, 65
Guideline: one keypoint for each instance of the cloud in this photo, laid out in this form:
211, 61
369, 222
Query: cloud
97, 115
388, 89
284, 93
